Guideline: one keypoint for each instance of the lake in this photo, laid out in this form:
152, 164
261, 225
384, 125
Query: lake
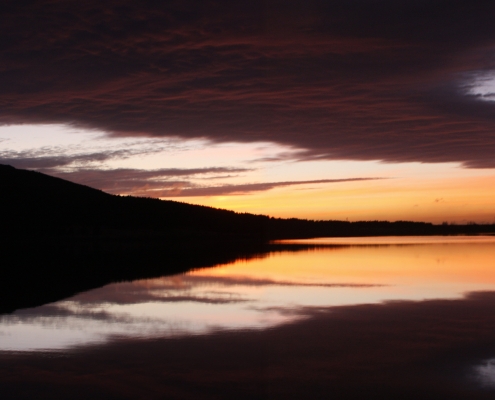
398, 317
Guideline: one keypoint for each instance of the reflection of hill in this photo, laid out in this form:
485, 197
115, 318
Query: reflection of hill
60, 237
50, 270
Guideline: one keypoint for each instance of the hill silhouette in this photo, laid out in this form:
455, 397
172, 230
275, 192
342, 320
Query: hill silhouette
41, 204
59, 238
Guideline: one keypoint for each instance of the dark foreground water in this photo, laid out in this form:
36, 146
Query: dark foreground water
355, 318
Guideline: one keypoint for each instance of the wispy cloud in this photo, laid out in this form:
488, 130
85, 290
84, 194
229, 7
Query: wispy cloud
192, 191
141, 182
176, 182
57, 157
24, 160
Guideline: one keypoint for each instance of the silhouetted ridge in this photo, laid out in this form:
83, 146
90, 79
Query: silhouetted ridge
36, 203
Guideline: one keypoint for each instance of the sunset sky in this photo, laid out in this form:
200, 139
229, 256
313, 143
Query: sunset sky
331, 109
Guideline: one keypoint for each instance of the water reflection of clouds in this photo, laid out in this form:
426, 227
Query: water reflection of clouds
163, 307
247, 281
399, 350
182, 290
255, 294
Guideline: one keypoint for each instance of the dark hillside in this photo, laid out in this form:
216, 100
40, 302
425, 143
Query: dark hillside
33, 203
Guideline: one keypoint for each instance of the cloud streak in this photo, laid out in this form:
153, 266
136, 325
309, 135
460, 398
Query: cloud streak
59, 157
359, 80
148, 183
248, 188
24, 160
165, 182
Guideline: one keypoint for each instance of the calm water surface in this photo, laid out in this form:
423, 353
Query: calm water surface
408, 317
280, 288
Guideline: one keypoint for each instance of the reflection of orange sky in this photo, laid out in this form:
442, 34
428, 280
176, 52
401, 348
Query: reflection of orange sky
389, 265
459, 199
259, 293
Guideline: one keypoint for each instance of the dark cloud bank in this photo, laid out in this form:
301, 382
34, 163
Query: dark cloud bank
359, 80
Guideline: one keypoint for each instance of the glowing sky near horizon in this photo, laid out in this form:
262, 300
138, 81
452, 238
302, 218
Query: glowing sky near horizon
413, 191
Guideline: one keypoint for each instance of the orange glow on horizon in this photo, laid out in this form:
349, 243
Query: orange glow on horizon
459, 200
